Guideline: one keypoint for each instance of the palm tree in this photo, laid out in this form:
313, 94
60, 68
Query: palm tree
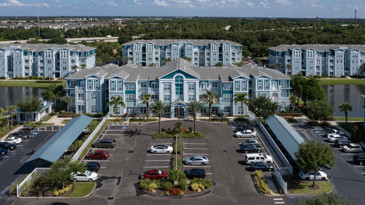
288, 67
115, 102
210, 98
241, 97
146, 100
293, 100
75, 67
195, 107
159, 107
83, 66
11, 109
272, 66
67, 100
2, 112
345, 107
279, 65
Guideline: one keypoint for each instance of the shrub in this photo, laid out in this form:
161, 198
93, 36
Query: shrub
325, 123
194, 186
175, 191
179, 162
183, 184
313, 123
240, 119
207, 183
167, 186
261, 183
181, 193
144, 183
152, 186
62, 191
202, 187
167, 193
198, 134
176, 175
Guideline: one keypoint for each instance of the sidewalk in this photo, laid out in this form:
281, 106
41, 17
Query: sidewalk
14, 130
58, 121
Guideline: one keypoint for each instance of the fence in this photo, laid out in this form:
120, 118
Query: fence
275, 147
282, 183
88, 140
28, 180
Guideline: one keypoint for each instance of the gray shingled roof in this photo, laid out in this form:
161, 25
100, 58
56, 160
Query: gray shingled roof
42, 47
132, 73
318, 47
200, 42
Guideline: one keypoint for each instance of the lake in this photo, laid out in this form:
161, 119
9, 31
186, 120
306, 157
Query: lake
12, 95
337, 94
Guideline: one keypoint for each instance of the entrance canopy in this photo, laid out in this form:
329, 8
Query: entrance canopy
179, 103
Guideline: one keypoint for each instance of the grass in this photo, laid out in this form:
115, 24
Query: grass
65, 121
82, 189
305, 188
27, 83
37, 124
341, 81
357, 119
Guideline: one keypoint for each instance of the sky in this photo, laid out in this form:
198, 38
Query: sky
216, 8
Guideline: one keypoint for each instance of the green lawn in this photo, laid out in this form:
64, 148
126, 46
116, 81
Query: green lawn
357, 119
82, 189
341, 81
305, 188
27, 83
66, 121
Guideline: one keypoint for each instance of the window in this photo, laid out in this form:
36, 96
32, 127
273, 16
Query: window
167, 86
130, 97
80, 97
154, 85
259, 86
93, 96
89, 84
129, 86
214, 84
191, 97
227, 97
267, 85
94, 109
143, 84
244, 86
284, 94
166, 97
97, 84
112, 85
64, 68
49, 61
120, 85
191, 86
203, 86
227, 86
237, 86
240, 110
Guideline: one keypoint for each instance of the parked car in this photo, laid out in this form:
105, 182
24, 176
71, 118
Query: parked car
84, 177
250, 148
33, 134
104, 143
333, 137
196, 160
14, 140
261, 166
93, 166
249, 141
19, 135
245, 133
341, 142
244, 127
27, 130
324, 166
99, 154
251, 158
161, 149
329, 129
155, 174
7, 145
359, 159
3, 151
1, 157
319, 175
195, 173
352, 147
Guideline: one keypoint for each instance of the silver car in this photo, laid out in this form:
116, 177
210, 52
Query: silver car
161, 149
86, 176
196, 160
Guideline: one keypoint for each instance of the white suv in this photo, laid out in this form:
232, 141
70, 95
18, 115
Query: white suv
250, 158
352, 147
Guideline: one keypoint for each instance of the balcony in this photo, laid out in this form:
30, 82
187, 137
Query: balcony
152, 90
79, 88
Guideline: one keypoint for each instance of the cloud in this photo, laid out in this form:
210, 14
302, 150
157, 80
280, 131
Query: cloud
16, 3
284, 2
249, 4
265, 4
161, 3
111, 3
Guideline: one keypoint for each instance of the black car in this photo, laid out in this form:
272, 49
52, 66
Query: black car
3, 151
250, 148
261, 166
19, 134
7, 145
341, 142
243, 127
93, 166
359, 158
105, 143
27, 130
195, 173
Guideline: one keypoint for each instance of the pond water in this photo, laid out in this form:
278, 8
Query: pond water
12, 95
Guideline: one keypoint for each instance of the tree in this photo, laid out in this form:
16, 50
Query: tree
67, 100
159, 107
313, 90
325, 199
319, 110
146, 100
12, 109
195, 107
187, 58
241, 97
220, 64
279, 65
83, 66
2, 112
30, 105
75, 67
345, 107
53, 93
210, 98
123, 38
288, 68
293, 100
272, 66
297, 84
312, 154
178, 127
167, 60
263, 106
257, 61
115, 102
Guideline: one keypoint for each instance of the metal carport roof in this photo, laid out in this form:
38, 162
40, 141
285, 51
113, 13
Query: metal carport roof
54, 148
285, 133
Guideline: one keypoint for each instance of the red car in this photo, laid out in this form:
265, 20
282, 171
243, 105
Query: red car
99, 154
155, 174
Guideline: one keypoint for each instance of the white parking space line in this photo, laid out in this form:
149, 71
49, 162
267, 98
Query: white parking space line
276, 199
157, 154
358, 166
157, 160
195, 143
193, 154
153, 167
115, 130
347, 154
111, 134
156, 143
209, 173
103, 167
197, 166
196, 148
279, 202
106, 149
88, 160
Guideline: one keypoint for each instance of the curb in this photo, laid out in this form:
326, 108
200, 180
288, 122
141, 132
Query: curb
184, 196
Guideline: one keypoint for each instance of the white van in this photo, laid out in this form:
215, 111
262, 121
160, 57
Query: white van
250, 158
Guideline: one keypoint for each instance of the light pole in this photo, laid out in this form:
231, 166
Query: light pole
176, 152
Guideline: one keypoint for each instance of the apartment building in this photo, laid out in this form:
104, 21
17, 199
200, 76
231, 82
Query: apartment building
318, 59
199, 52
44, 60
177, 83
